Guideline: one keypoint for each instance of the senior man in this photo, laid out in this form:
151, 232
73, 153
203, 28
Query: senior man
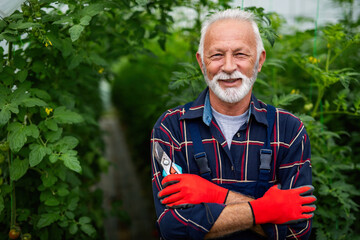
245, 165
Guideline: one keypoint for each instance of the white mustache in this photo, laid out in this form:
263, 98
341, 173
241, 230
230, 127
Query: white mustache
226, 76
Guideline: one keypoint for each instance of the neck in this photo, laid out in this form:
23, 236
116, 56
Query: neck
230, 109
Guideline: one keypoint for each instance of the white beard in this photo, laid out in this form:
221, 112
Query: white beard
232, 94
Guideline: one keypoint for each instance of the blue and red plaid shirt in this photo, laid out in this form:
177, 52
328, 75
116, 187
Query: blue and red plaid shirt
236, 169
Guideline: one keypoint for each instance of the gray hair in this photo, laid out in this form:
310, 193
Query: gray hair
236, 14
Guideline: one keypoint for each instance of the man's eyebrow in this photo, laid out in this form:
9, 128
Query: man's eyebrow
242, 49
246, 49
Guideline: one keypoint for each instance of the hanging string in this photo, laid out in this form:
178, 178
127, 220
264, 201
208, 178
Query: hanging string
315, 56
315, 40
242, 5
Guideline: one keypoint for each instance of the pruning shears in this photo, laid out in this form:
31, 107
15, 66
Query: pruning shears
169, 167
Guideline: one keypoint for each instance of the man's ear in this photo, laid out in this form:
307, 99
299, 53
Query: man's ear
198, 58
261, 60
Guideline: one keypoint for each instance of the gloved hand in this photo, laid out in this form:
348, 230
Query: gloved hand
284, 206
186, 189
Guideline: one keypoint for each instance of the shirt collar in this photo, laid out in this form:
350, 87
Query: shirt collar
201, 108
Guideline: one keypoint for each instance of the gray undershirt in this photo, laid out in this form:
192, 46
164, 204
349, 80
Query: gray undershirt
229, 125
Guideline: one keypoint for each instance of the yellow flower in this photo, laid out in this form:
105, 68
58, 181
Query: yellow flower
328, 45
101, 70
313, 60
48, 43
295, 91
48, 111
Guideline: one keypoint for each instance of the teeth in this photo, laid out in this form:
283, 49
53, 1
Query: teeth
229, 80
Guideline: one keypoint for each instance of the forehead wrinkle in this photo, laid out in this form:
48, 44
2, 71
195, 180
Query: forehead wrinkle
244, 38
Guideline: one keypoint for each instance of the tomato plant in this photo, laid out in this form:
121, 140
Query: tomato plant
14, 232
51, 152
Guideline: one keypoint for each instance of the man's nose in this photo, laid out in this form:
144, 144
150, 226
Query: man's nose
229, 64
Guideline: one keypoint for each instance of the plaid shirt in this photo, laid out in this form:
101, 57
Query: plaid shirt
236, 169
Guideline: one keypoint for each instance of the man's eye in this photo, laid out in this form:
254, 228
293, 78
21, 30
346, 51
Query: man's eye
240, 54
217, 55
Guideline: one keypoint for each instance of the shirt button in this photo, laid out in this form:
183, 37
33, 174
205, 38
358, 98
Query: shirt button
238, 134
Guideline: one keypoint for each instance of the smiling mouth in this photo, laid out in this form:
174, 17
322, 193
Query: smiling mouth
230, 80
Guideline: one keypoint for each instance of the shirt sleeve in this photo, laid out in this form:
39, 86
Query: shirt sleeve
294, 171
183, 223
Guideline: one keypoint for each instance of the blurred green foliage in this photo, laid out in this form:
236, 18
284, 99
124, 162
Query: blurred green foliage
322, 89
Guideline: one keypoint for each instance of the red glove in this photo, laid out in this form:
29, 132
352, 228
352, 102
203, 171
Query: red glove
284, 206
186, 189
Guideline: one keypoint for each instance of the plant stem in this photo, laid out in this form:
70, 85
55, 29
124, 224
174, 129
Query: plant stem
328, 60
12, 196
321, 91
10, 52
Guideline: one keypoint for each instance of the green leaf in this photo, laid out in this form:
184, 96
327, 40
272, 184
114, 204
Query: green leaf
75, 61
92, 10
75, 32
285, 100
63, 224
23, 25
84, 220
62, 192
141, 2
5, 116
22, 75
8, 37
73, 203
52, 202
18, 168
31, 102
71, 161
96, 59
53, 158
88, 229
62, 115
48, 179
85, 20
40, 94
51, 124
64, 19
269, 34
53, 136
38, 66
32, 130
45, 194
67, 48
67, 143
73, 228
47, 219
70, 215
37, 154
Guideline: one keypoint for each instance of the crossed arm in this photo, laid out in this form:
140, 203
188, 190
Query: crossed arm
277, 206
236, 216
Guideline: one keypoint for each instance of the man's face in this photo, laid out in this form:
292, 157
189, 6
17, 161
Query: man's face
230, 59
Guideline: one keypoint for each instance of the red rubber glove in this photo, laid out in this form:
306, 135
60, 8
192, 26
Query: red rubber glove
185, 189
284, 206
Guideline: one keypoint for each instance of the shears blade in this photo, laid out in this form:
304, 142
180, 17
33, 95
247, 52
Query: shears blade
163, 159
